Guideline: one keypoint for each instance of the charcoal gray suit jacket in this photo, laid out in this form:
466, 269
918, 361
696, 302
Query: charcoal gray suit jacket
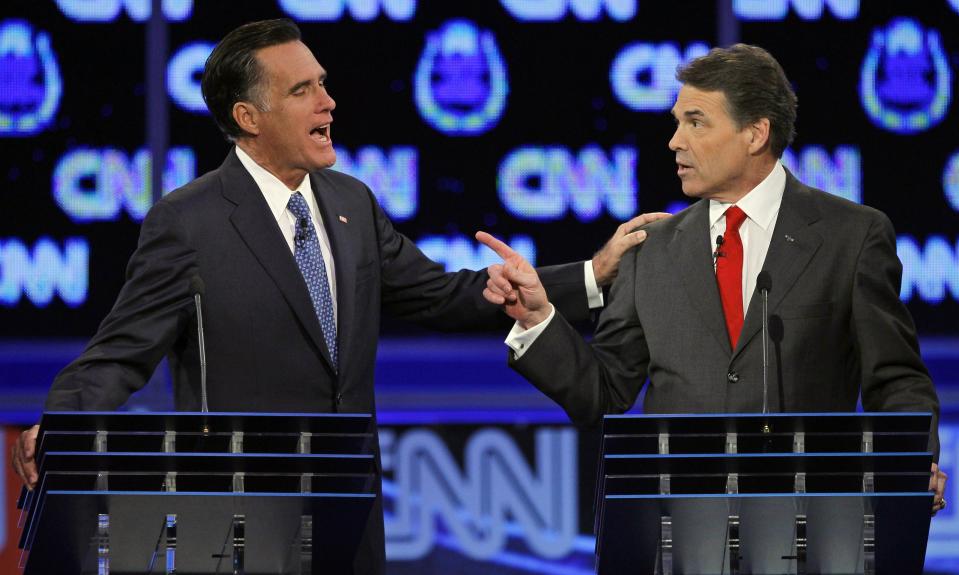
837, 326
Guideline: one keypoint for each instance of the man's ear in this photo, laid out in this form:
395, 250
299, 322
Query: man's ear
759, 135
247, 116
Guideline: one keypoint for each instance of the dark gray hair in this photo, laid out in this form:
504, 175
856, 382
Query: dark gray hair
232, 73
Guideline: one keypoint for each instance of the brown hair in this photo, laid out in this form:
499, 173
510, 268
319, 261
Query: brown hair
755, 87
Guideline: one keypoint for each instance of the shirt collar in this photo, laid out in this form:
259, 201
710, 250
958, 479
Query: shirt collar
276, 193
761, 204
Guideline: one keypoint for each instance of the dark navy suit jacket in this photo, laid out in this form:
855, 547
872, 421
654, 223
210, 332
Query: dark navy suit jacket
264, 344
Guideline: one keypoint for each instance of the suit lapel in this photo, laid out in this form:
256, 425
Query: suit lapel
255, 223
793, 245
332, 208
690, 249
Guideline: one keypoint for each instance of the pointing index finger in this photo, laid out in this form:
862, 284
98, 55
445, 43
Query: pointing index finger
498, 246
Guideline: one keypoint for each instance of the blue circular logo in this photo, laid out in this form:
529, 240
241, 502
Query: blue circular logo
905, 80
30, 82
460, 83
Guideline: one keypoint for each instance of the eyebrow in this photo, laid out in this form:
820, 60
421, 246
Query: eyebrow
688, 114
306, 83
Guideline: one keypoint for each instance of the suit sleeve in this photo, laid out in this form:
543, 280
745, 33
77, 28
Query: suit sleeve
418, 289
591, 380
152, 308
894, 377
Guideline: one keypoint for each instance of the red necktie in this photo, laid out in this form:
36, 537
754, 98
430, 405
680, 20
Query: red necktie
729, 274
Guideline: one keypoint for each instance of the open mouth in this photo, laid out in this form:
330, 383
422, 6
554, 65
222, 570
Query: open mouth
321, 134
682, 168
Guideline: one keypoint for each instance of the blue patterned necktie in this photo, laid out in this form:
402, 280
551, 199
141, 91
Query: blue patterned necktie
309, 259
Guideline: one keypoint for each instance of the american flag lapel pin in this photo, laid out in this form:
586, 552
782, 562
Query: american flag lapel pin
344, 219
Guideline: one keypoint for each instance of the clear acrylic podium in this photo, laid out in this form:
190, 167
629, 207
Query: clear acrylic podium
198, 493
781, 493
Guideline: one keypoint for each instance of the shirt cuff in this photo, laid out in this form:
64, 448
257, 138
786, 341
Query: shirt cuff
594, 295
520, 339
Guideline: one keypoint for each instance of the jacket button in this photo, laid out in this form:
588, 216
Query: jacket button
732, 377
339, 398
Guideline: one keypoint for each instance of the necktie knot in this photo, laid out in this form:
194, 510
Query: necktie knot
734, 218
297, 206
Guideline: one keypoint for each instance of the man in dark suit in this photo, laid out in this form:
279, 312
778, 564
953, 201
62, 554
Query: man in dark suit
295, 262
676, 312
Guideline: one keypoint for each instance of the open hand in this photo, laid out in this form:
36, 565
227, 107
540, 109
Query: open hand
937, 484
606, 260
23, 456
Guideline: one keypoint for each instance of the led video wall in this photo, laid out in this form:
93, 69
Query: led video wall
545, 122
542, 121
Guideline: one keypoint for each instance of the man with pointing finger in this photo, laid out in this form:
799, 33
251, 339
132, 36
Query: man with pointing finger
685, 313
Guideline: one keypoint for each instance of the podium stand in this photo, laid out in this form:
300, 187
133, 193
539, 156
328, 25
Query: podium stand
198, 493
778, 493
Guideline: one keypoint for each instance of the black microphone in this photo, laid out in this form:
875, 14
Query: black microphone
716, 252
198, 288
764, 283
302, 230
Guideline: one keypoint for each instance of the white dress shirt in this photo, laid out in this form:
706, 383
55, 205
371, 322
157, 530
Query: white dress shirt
761, 205
277, 196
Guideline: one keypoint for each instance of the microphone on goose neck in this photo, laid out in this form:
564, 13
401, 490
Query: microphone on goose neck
764, 283
198, 288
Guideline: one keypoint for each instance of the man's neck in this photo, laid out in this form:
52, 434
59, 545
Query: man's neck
754, 175
291, 179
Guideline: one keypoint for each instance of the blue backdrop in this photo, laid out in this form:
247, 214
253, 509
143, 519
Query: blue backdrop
542, 121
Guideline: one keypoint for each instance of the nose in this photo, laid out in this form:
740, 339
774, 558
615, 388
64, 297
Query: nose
676, 143
326, 103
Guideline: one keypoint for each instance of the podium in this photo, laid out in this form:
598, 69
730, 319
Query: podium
198, 493
795, 493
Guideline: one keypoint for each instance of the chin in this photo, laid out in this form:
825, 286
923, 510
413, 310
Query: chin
324, 161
